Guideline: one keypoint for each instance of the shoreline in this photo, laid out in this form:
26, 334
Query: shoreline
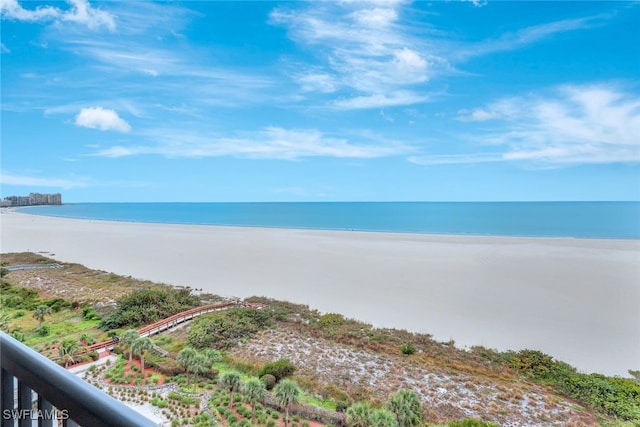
573, 298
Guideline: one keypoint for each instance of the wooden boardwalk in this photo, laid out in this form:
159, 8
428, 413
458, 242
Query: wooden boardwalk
175, 320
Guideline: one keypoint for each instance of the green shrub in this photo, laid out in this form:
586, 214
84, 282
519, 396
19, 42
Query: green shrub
407, 349
58, 304
613, 396
89, 313
331, 319
280, 369
44, 330
223, 329
269, 381
160, 403
147, 306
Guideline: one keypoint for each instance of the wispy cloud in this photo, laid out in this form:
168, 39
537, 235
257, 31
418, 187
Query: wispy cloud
33, 181
79, 11
268, 143
572, 125
4, 49
366, 48
101, 118
367, 52
525, 36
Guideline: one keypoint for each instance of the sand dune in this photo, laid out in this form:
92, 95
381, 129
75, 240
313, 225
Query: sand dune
576, 299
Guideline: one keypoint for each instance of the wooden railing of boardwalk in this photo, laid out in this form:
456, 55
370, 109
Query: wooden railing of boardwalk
176, 319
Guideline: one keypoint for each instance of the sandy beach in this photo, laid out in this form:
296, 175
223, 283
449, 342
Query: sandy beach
576, 299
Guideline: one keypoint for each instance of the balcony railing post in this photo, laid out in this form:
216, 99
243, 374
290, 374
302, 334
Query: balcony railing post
25, 403
47, 408
7, 401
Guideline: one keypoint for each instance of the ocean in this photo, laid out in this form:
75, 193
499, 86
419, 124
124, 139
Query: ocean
619, 220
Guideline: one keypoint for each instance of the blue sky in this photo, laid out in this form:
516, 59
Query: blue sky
321, 101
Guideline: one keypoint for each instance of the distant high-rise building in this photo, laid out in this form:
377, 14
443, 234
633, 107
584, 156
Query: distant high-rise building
33, 199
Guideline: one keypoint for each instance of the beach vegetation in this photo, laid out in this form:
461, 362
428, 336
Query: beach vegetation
269, 381
331, 319
231, 382
286, 394
407, 349
406, 406
281, 368
141, 346
185, 360
613, 400
224, 329
128, 339
39, 314
67, 351
146, 306
614, 396
253, 391
359, 415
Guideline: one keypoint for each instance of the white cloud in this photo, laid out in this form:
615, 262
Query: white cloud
367, 51
375, 17
3, 48
80, 11
572, 125
317, 82
523, 37
268, 143
31, 181
100, 118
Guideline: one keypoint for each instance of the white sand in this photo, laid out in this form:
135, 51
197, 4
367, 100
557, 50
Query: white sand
576, 299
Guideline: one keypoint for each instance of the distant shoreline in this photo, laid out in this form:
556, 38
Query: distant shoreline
580, 220
575, 299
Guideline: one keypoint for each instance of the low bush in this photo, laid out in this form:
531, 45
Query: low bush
280, 369
223, 329
148, 306
407, 349
331, 319
613, 396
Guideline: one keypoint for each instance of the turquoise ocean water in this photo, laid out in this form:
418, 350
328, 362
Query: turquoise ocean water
539, 219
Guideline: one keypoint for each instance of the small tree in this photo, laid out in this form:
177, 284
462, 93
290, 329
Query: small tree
185, 358
87, 339
128, 338
40, 312
287, 393
406, 406
199, 365
140, 346
67, 351
230, 382
253, 391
